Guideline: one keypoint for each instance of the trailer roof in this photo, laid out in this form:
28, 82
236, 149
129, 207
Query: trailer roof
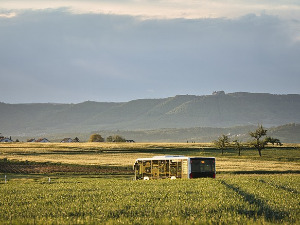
170, 157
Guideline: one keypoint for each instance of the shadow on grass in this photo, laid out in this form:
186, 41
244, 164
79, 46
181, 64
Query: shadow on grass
264, 209
294, 191
261, 172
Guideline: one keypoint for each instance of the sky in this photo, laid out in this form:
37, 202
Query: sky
120, 50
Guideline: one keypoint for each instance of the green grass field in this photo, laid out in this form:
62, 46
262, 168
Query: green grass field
229, 199
93, 184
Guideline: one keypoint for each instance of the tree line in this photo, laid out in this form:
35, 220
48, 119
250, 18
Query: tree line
259, 141
112, 138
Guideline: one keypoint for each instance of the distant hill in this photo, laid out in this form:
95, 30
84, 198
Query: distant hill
182, 111
289, 133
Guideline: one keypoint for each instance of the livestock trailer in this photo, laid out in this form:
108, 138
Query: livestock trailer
173, 167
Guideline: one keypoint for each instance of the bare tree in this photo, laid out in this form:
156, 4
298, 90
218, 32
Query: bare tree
222, 142
238, 145
258, 143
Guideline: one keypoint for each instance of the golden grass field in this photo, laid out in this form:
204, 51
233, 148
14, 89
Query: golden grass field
285, 158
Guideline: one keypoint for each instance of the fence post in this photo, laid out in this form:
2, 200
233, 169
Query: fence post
5, 179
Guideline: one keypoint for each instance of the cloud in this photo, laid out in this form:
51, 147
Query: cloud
188, 9
58, 56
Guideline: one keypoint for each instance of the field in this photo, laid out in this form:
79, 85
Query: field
274, 159
98, 187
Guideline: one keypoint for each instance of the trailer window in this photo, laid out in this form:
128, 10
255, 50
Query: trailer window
155, 171
162, 168
202, 165
146, 168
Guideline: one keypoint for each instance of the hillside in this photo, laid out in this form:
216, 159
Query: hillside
182, 111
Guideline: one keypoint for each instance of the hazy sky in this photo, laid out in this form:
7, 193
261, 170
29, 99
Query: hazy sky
120, 50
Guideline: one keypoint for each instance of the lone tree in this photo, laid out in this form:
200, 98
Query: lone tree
258, 143
96, 138
222, 142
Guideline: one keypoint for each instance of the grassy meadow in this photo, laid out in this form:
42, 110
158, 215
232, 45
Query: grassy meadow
97, 186
229, 199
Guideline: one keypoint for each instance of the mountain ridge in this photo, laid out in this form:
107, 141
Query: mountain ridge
180, 111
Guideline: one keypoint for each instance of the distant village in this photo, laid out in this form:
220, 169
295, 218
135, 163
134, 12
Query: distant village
115, 138
44, 140
40, 140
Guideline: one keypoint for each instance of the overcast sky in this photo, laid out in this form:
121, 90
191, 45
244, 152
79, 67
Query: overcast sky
120, 50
